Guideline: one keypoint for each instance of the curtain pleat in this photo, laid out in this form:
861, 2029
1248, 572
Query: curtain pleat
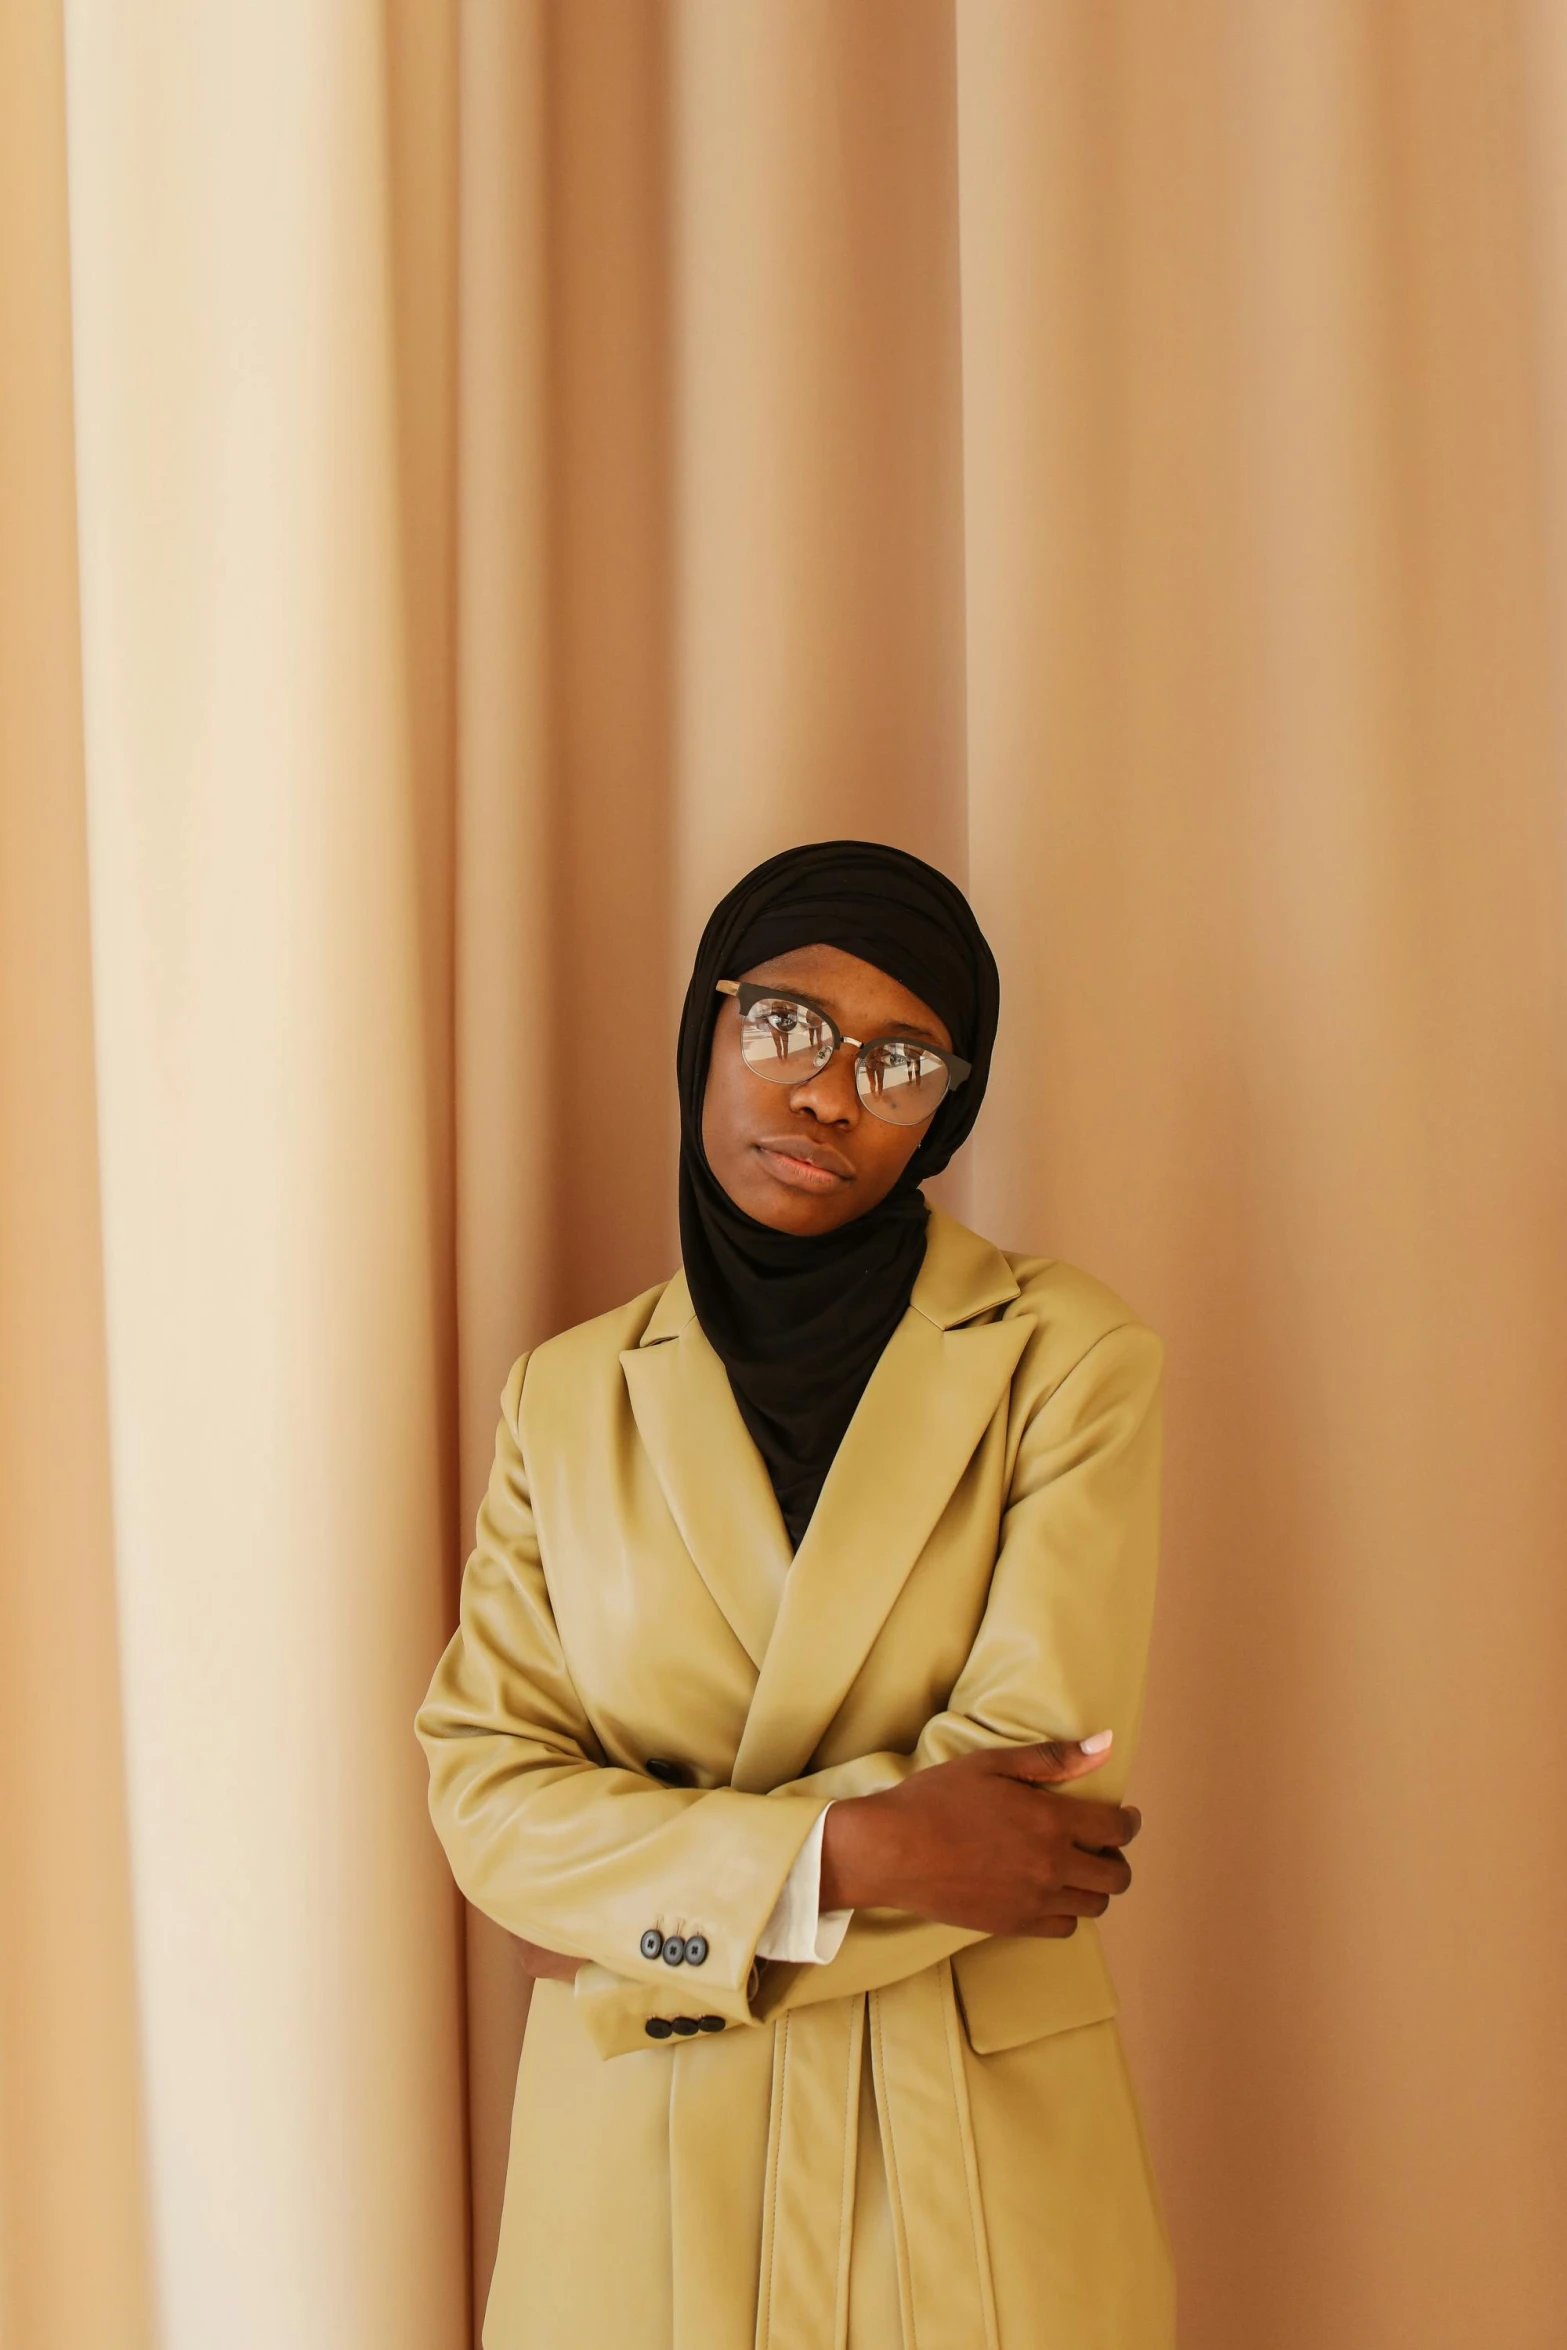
74, 2247
256, 689
522, 462
1261, 754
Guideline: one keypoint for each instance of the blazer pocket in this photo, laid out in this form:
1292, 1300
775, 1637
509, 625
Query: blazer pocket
1014, 1990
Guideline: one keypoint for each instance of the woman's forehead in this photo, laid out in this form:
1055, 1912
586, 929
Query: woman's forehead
851, 989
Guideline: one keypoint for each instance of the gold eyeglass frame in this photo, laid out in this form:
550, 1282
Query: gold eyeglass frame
749, 992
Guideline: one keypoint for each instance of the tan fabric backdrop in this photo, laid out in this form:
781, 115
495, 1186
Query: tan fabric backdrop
472, 478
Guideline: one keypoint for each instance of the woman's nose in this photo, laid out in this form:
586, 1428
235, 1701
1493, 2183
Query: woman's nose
830, 1094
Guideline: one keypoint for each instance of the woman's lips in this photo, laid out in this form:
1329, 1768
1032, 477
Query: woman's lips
799, 1174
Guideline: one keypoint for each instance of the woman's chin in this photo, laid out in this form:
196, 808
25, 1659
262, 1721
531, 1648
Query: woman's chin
784, 1208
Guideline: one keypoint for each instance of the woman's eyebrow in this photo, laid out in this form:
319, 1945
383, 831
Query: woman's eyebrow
889, 1028
821, 1003
913, 1028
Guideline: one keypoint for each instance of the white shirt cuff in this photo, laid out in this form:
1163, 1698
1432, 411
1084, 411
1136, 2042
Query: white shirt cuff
797, 1929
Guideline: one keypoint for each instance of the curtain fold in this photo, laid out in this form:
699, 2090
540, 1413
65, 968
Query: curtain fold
522, 463
70, 2074
252, 690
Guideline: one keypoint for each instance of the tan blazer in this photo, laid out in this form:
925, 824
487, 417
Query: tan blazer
933, 2138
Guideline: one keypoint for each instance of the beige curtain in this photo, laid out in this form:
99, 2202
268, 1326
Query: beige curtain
472, 477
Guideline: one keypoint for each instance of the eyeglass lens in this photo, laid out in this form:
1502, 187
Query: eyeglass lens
788, 1042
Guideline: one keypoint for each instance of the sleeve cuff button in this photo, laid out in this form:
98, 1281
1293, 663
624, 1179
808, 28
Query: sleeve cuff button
652, 1943
696, 1949
674, 1949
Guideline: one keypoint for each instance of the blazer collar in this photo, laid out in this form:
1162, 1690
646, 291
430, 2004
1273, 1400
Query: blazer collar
963, 1275
713, 1478
808, 1622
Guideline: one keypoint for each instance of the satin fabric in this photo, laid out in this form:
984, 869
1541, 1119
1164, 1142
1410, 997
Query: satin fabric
979, 1570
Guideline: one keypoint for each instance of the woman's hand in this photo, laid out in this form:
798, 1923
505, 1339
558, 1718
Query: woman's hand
546, 1965
985, 1841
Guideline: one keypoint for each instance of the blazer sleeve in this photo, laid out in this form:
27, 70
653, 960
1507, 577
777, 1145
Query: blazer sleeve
549, 1839
1062, 1648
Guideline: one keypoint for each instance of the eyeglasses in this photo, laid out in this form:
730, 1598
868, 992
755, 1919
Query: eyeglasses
788, 1040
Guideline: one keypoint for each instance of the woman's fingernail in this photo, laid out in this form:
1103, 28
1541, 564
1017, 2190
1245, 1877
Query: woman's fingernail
1097, 1744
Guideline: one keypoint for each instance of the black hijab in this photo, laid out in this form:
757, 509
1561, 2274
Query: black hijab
799, 1321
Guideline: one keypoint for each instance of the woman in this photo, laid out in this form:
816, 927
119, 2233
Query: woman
802, 1584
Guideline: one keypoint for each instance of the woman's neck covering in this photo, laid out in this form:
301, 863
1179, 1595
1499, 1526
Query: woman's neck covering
799, 1321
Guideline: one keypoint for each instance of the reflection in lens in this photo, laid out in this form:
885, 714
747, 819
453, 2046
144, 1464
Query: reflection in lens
783, 1041
900, 1082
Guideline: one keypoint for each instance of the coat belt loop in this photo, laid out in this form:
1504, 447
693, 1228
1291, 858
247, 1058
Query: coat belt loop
808, 2215
927, 2134
927, 2138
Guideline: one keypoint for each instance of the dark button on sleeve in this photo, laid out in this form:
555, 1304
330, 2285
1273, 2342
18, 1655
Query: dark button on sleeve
709, 2023
696, 1949
685, 2025
674, 1949
652, 1943
658, 2027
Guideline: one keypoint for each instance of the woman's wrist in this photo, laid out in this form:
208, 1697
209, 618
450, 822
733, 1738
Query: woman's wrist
853, 1855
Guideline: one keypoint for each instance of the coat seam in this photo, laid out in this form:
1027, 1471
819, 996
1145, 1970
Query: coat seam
974, 2198
765, 2332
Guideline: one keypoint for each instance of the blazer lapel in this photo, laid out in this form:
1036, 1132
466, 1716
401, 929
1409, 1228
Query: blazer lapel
712, 1475
925, 1408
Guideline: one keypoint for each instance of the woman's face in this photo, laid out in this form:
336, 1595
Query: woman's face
807, 1158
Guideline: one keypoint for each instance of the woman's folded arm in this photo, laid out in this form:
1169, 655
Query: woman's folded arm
600, 1863
1060, 1656
547, 1837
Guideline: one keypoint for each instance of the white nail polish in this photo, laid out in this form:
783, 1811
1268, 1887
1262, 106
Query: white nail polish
1097, 1744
